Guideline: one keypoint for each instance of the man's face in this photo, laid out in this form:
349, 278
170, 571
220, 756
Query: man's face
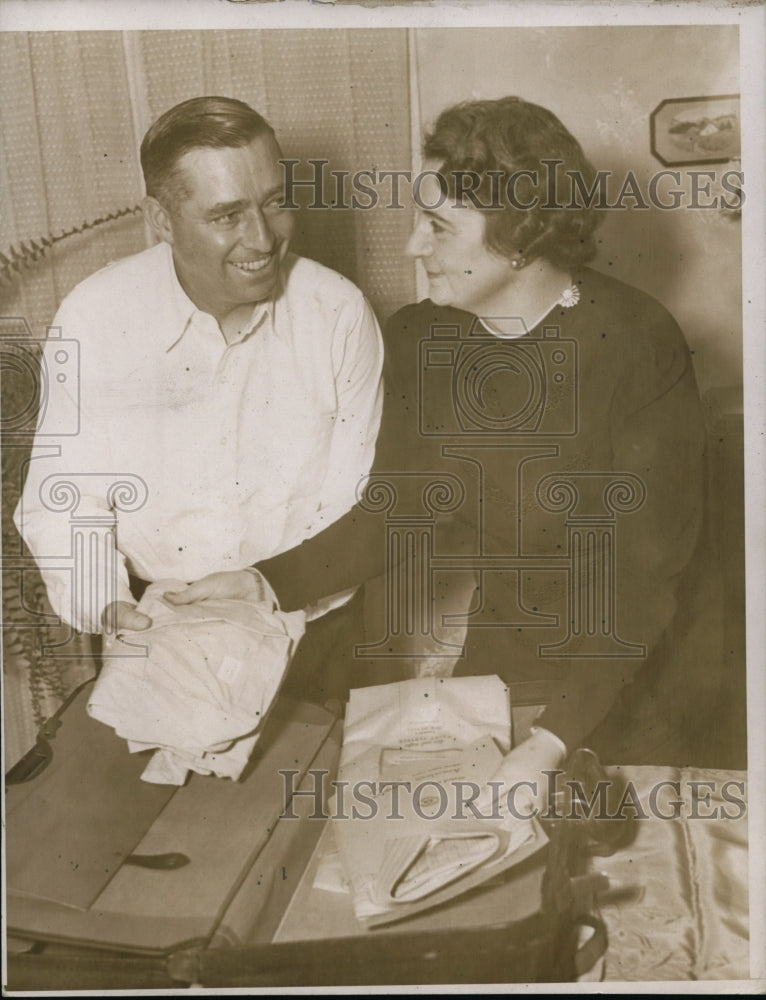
449, 242
229, 235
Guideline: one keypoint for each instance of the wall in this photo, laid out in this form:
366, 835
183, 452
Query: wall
603, 83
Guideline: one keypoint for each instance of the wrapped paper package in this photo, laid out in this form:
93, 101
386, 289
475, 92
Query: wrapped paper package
414, 757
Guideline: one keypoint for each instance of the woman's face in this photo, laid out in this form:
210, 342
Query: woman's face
449, 242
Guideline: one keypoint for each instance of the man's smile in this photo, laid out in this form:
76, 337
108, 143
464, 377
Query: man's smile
250, 266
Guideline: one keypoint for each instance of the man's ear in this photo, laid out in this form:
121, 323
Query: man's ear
158, 218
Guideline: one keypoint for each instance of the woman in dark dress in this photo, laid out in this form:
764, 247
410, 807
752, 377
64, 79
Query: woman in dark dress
558, 408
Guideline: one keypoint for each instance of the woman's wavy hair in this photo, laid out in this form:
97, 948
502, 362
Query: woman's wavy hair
509, 136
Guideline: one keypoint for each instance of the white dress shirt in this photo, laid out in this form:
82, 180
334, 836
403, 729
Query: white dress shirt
193, 696
228, 454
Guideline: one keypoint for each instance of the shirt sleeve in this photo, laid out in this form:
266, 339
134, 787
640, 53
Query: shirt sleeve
658, 435
357, 362
352, 549
66, 511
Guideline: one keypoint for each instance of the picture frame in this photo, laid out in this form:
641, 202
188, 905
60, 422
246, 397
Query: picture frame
690, 131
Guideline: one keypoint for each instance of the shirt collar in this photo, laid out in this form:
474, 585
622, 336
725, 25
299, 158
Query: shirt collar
181, 311
520, 330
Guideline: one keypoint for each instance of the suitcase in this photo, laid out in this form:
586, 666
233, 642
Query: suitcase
113, 883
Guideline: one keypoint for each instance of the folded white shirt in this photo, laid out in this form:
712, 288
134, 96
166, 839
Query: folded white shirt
197, 685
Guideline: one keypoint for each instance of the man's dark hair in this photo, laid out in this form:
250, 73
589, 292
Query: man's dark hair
510, 135
212, 122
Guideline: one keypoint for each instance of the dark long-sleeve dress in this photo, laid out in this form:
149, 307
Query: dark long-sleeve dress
572, 464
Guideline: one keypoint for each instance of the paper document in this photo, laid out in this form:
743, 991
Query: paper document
415, 756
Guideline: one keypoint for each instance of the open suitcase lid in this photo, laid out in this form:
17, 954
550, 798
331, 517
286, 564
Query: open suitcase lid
97, 857
244, 911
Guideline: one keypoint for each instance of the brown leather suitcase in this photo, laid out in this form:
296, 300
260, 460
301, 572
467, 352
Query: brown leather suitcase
116, 884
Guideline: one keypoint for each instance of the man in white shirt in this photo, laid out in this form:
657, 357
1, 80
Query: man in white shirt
232, 388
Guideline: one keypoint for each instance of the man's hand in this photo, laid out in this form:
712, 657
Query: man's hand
239, 585
522, 768
120, 615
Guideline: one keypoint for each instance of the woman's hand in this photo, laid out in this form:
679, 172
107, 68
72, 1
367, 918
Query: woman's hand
519, 787
237, 585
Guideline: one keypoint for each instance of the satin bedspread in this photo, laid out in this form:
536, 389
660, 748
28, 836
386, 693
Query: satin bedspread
678, 904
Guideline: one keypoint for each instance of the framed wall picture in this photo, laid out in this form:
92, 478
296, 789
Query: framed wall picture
687, 131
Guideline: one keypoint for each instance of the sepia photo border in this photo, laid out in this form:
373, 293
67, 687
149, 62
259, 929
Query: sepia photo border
173, 15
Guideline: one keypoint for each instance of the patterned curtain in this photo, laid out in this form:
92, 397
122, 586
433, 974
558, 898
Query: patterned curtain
74, 107
67, 155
